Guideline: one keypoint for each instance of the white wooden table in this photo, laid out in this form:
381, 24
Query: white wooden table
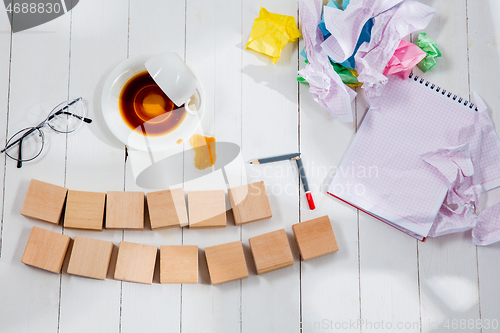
379, 275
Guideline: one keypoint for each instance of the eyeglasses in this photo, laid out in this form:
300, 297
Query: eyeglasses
28, 143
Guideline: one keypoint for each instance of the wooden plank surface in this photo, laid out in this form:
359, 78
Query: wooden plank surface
484, 55
213, 32
154, 27
329, 284
270, 114
377, 274
448, 264
38, 81
98, 43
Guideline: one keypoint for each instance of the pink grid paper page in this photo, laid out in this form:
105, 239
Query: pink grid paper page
485, 156
487, 229
484, 147
408, 119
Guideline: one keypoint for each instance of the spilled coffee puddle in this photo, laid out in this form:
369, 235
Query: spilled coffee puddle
146, 109
204, 151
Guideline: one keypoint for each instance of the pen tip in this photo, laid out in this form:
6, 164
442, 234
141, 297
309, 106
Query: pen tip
254, 162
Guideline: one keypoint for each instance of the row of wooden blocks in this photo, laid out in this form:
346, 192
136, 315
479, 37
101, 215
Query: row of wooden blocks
125, 210
178, 263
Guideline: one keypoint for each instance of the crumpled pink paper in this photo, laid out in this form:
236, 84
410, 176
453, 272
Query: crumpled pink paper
458, 210
487, 228
388, 30
470, 169
406, 56
325, 84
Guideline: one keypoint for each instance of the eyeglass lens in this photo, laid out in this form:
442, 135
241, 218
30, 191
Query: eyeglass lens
67, 116
31, 141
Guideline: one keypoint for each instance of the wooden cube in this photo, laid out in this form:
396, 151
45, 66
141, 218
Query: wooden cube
179, 264
84, 210
250, 203
90, 257
226, 262
315, 237
46, 249
207, 209
167, 209
124, 210
135, 262
271, 251
44, 201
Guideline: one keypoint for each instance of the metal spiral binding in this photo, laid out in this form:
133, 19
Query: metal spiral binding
442, 91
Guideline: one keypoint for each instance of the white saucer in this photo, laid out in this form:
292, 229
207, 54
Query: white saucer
111, 113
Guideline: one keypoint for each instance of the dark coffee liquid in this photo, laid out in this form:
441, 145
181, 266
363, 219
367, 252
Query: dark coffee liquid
146, 109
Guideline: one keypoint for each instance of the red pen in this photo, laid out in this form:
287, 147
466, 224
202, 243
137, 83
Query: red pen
302, 172
303, 178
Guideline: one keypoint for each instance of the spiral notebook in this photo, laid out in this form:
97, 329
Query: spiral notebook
383, 172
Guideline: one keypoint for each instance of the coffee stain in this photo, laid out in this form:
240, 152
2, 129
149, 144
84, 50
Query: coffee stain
204, 151
179, 141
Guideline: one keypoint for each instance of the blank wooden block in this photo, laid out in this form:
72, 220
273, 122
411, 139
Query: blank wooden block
179, 264
167, 209
315, 237
271, 251
207, 209
250, 203
44, 201
84, 210
226, 262
90, 258
124, 210
135, 262
45, 249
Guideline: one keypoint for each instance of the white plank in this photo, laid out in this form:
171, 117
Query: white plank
448, 265
98, 43
330, 284
154, 27
271, 302
388, 276
389, 290
39, 80
5, 50
484, 55
213, 32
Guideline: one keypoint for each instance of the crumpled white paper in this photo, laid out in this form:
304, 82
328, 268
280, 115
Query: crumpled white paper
345, 25
394, 19
325, 84
388, 30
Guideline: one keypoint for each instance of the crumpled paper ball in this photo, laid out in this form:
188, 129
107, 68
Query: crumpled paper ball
271, 32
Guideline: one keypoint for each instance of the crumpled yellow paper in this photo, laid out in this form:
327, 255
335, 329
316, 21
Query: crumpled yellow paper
271, 32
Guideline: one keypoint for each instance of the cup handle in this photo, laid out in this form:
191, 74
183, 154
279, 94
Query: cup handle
195, 112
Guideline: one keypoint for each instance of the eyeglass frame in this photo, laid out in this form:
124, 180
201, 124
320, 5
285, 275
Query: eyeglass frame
38, 128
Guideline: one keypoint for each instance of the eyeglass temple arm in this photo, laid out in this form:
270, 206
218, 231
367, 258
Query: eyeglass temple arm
20, 155
87, 120
20, 139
